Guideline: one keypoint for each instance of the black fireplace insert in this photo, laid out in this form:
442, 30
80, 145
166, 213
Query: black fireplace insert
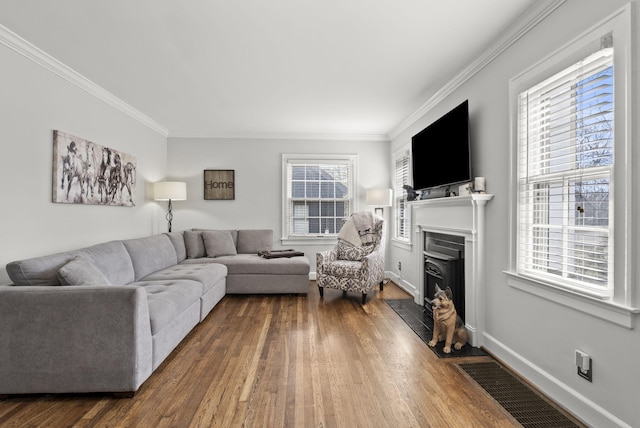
444, 267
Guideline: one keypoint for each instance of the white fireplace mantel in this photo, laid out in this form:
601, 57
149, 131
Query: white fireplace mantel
461, 216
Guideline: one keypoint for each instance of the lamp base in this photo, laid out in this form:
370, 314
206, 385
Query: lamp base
169, 215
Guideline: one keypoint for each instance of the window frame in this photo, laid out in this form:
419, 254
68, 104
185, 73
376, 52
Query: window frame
621, 306
400, 196
550, 172
345, 159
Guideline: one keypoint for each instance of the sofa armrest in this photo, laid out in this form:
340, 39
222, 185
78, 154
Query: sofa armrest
324, 257
373, 265
74, 339
376, 256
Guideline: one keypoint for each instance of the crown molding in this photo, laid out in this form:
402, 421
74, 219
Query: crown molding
23, 47
279, 136
538, 12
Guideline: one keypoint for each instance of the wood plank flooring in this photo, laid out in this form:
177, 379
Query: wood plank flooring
287, 361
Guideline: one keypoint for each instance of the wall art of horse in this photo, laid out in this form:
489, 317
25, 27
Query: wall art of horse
88, 173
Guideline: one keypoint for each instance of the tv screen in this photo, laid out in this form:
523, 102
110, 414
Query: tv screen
440, 153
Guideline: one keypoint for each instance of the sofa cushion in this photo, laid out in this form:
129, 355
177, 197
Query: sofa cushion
39, 270
233, 232
344, 269
80, 271
113, 260
256, 265
177, 239
208, 274
150, 254
218, 243
194, 244
347, 251
252, 241
168, 299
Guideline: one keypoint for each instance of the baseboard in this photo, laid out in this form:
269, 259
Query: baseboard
573, 401
406, 286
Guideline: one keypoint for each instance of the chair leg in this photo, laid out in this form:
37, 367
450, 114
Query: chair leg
321, 291
382, 285
344, 293
364, 298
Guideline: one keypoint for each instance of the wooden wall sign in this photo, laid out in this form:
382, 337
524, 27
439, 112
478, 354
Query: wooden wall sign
219, 184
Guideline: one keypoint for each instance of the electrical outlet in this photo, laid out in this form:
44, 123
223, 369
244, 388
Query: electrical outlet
584, 364
399, 265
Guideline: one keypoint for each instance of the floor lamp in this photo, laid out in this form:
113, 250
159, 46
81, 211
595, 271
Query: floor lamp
170, 191
379, 198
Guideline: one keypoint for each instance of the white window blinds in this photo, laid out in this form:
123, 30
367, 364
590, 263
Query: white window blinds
565, 165
402, 218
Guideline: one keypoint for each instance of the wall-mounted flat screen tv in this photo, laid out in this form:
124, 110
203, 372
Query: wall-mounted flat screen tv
440, 153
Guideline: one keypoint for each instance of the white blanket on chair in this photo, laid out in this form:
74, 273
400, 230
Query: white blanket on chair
360, 229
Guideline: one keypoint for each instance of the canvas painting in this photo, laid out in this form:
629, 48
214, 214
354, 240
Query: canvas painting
88, 173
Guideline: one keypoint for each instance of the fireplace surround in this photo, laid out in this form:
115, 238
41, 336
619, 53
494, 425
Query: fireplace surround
463, 217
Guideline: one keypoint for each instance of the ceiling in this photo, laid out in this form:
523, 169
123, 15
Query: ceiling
257, 67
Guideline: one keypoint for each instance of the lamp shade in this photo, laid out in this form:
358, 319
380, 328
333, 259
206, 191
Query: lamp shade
380, 197
170, 190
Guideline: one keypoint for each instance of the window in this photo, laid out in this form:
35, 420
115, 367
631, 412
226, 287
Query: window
318, 194
566, 153
402, 210
572, 188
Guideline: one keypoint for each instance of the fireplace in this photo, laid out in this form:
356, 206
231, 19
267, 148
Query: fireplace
444, 267
463, 219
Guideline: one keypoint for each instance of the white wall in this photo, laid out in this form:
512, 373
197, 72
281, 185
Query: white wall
535, 336
33, 102
258, 175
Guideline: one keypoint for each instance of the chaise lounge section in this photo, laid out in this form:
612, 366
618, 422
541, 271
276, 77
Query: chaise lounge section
103, 318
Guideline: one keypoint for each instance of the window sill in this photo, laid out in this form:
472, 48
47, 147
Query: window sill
405, 245
310, 240
615, 313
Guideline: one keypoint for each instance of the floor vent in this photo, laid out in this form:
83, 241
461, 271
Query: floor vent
526, 406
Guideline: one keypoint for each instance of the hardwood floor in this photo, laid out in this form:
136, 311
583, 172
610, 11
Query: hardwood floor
287, 361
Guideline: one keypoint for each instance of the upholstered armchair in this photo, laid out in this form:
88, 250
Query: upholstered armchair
356, 264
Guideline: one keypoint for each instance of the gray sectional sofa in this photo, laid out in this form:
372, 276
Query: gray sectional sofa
103, 318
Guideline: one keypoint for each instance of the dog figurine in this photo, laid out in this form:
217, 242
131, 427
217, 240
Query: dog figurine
412, 195
447, 325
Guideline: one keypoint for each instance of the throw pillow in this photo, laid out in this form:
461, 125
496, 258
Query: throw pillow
218, 243
252, 241
233, 232
346, 251
194, 243
80, 271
